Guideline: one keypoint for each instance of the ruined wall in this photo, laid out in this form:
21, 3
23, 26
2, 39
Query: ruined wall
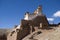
22, 33
29, 24
18, 34
41, 19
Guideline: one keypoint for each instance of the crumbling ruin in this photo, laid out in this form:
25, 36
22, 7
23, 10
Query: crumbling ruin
29, 24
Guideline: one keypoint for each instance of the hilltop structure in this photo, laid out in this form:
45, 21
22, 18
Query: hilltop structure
29, 24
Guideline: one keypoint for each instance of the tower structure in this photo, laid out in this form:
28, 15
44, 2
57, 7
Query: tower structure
39, 10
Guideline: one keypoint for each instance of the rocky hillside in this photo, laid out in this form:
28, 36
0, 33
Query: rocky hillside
52, 34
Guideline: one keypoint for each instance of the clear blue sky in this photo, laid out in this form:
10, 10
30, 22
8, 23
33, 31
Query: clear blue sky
12, 11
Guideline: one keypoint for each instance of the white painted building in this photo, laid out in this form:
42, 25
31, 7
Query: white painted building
37, 12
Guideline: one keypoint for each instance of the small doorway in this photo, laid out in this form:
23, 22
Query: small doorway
40, 25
